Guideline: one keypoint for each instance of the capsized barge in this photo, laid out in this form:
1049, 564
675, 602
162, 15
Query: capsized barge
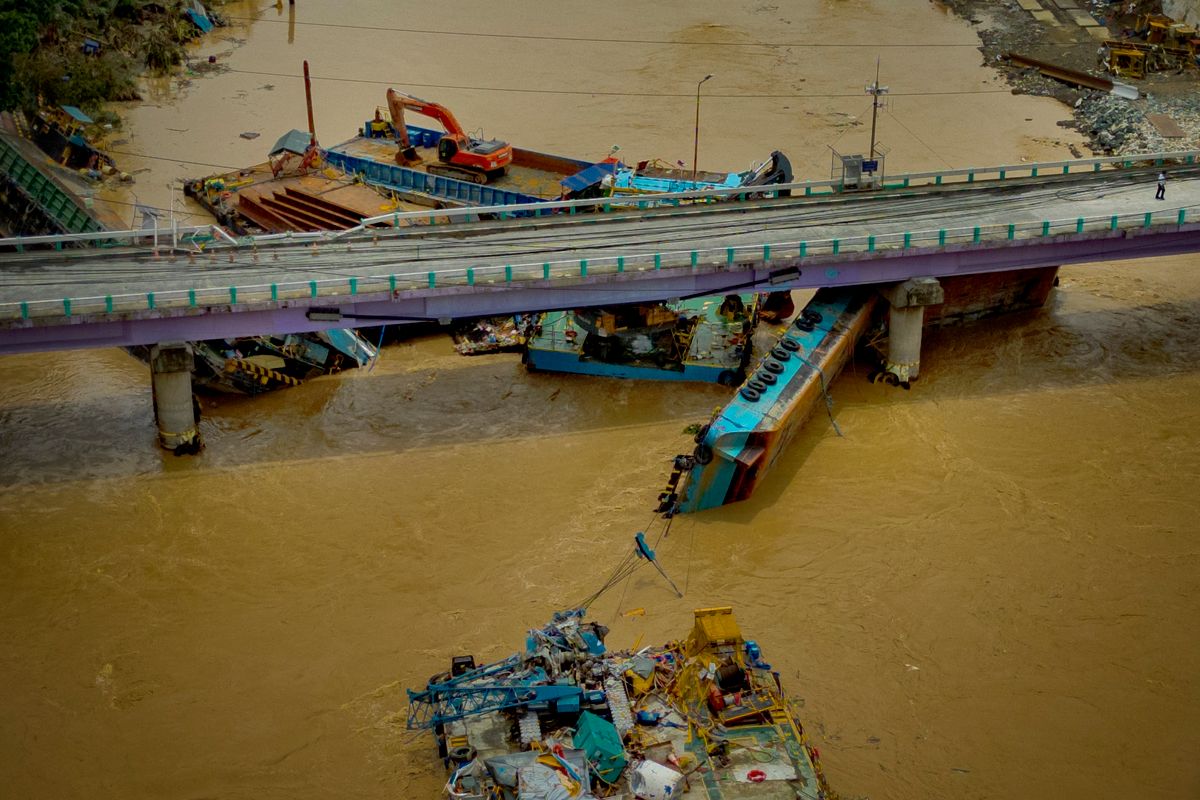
697, 339
735, 451
703, 717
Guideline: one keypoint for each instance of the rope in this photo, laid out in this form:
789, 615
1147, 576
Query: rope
824, 392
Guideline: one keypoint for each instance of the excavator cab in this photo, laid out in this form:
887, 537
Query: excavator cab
459, 156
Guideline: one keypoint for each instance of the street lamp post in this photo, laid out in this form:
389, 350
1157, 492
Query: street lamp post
696, 141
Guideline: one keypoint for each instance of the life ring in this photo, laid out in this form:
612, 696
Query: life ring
750, 394
756, 776
789, 344
766, 377
771, 365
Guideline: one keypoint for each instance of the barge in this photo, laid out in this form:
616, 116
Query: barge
737, 448
697, 339
704, 717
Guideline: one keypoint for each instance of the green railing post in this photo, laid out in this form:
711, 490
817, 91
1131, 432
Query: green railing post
695, 259
729, 257
807, 191
1182, 216
312, 288
546, 271
470, 276
803, 249
1012, 231
1079, 225
870, 244
905, 184
1045, 227
233, 295
67, 305
607, 207
1002, 174
1113, 225
392, 283
658, 260
24, 310
1066, 169
354, 286
975, 234
1096, 167
583, 267
274, 293
508, 273
766, 253
970, 177
149, 302
907, 239
837, 245
620, 263
432, 280
937, 181
108, 304
1146, 222
1033, 173
192, 298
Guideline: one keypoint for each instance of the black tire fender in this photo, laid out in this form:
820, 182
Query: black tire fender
756, 384
766, 377
780, 353
789, 344
771, 365
703, 454
700, 434
749, 394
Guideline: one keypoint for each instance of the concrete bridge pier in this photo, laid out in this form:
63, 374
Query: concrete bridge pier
906, 320
175, 413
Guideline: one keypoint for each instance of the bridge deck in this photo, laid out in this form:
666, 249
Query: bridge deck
843, 234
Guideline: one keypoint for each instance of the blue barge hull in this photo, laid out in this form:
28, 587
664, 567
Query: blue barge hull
736, 450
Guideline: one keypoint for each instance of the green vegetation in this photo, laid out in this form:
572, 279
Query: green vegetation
42, 49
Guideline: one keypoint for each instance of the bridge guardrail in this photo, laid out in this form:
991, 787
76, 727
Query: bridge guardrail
729, 258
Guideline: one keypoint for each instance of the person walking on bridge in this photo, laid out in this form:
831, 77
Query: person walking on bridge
1161, 194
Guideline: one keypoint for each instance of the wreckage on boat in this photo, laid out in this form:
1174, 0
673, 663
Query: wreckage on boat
566, 718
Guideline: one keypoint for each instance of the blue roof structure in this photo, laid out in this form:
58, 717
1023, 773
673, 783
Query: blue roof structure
77, 114
294, 141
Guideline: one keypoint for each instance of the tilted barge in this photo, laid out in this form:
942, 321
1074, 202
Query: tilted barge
735, 451
704, 717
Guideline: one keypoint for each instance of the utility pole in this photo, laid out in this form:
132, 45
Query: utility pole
875, 90
696, 141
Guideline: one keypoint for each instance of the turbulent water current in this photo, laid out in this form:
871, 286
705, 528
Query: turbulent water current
987, 587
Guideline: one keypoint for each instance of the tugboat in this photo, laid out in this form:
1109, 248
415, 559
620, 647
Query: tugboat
703, 717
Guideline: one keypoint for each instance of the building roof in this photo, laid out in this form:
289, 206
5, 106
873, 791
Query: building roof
77, 114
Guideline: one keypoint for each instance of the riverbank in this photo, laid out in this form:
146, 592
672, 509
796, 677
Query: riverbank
1112, 125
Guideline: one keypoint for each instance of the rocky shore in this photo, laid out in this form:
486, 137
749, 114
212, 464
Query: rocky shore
1113, 125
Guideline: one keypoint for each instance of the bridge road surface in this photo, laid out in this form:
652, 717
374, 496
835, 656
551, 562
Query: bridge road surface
1024, 222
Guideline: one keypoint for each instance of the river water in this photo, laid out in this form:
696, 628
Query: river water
986, 588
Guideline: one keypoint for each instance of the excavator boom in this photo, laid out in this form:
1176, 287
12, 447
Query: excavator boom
460, 155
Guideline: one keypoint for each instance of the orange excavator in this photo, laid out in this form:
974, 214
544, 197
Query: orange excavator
459, 156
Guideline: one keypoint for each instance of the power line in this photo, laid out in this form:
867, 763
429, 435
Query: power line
740, 96
597, 40
175, 160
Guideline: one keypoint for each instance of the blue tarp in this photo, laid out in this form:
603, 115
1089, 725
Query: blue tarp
598, 738
77, 114
585, 178
293, 141
202, 22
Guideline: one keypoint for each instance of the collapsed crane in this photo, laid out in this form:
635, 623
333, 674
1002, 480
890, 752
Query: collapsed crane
459, 155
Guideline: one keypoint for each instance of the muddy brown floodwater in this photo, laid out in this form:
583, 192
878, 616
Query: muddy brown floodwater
987, 588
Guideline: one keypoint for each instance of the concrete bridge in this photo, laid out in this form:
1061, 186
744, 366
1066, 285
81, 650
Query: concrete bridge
98, 289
